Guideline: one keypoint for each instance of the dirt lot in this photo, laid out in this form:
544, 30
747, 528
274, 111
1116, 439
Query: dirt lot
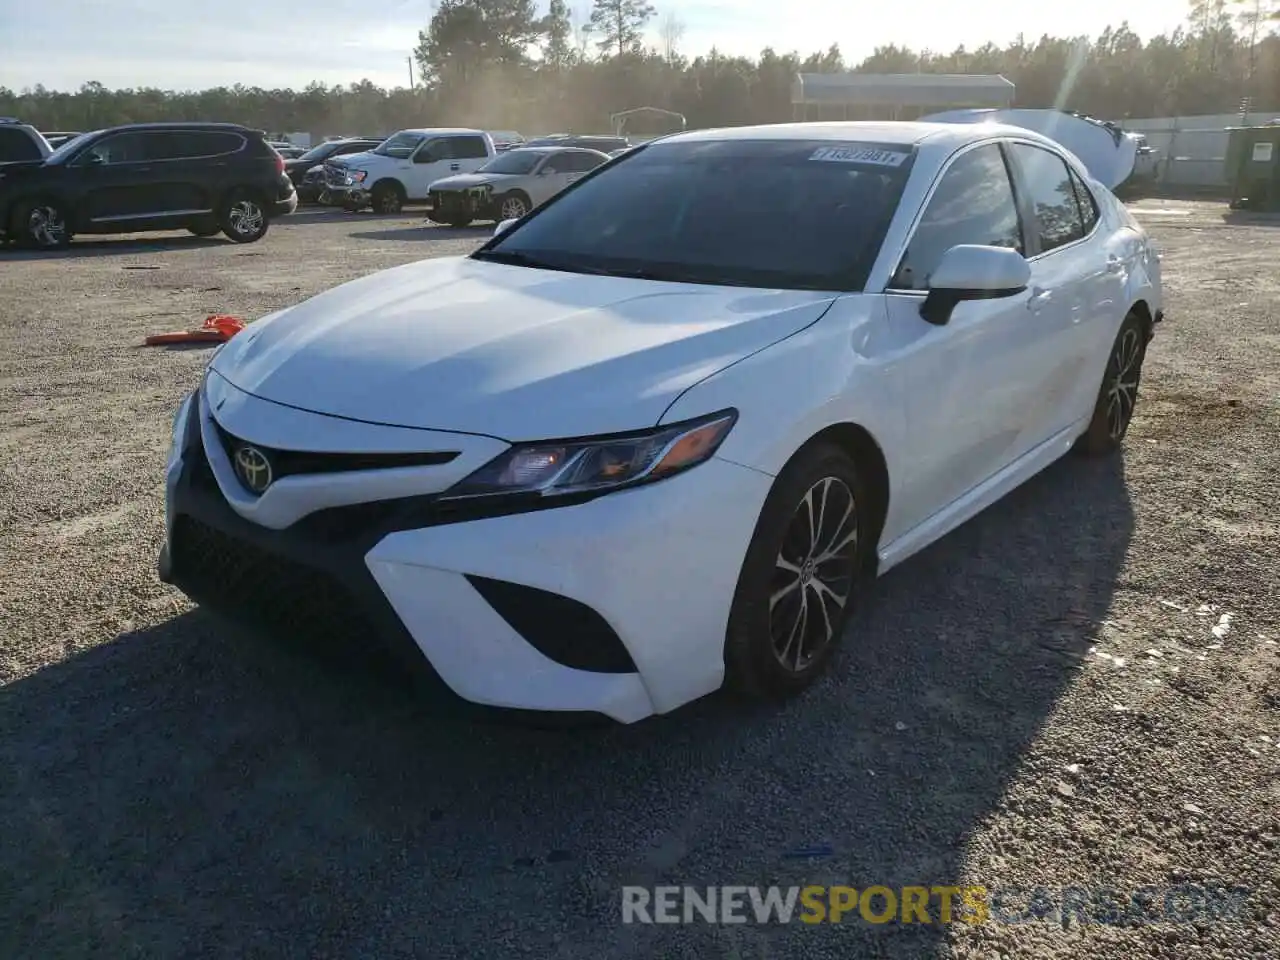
1037, 700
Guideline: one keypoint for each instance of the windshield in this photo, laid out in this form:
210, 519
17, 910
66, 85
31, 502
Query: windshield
399, 146
800, 214
321, 152
517, 161
70, 147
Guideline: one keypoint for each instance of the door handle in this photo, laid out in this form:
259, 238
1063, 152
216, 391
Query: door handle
455, 166
1039, 297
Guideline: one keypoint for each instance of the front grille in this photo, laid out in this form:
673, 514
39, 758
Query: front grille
447, 203
269, 589
285, 463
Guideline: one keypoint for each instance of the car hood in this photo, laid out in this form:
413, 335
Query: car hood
354, 159
465, 180
509, 352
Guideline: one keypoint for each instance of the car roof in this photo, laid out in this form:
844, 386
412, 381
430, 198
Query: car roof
445, 130
552, 148
180, 125
905, 133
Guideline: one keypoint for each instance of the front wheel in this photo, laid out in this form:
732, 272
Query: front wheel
1118, 396
387, 198
204, 227
41, 225
513, 206
798, 582
243, 218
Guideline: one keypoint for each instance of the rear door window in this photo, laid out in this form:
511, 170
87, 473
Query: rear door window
191, 144
579, 162
1051, 193
1088, 205
973, 203
467, 148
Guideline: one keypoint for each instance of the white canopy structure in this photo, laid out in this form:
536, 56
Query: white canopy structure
893, 96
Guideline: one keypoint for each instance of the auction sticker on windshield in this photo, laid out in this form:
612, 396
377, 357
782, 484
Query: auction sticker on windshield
872, 155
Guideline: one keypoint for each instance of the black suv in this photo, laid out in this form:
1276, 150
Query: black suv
203, 177
21, 141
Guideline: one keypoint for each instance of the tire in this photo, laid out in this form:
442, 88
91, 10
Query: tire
775, 645
513, 206
41, 225
387, 197
1118, 395
243, 218
204, 227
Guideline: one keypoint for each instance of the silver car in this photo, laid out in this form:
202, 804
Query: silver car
509, 185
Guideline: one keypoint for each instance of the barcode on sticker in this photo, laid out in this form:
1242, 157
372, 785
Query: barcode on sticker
883, 158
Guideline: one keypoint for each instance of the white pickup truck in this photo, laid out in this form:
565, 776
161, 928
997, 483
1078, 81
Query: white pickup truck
401, 168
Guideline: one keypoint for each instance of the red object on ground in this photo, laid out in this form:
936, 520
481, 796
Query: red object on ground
217, 328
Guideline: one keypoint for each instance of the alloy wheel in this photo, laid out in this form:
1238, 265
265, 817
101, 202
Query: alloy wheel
246, 218
47, 227
1122, 391
513, 208
813, 574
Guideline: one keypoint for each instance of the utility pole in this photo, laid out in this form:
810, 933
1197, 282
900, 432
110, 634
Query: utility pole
409, 60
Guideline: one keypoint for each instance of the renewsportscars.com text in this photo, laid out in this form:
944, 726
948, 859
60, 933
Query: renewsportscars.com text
1183, 903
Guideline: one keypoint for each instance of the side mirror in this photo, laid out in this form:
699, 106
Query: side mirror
503, 227
973, 272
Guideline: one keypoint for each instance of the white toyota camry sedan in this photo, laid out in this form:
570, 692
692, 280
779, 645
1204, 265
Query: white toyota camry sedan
657, 436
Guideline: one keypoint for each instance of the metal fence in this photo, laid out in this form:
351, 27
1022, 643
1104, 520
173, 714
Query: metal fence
1193, 150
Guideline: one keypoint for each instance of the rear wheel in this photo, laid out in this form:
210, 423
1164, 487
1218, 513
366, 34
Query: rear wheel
243, 218
1118, 396
41, 225
798, 582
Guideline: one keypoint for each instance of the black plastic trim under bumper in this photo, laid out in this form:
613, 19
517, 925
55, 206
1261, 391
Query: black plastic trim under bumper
313, 575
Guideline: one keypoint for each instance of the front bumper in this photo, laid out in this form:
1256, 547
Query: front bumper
616, 606
472, 203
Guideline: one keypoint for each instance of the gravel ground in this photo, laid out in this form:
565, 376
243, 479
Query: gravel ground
1039, 699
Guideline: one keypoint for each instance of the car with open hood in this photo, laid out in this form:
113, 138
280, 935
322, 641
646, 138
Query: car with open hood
509, 185
661, 434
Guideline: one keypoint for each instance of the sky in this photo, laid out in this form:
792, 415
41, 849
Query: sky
188, 44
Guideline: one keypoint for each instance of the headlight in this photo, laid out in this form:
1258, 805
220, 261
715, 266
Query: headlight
597, 464
357, 176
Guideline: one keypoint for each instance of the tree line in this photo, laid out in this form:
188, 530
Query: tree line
499, 64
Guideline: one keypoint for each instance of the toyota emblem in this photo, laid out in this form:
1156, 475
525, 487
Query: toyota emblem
253, 468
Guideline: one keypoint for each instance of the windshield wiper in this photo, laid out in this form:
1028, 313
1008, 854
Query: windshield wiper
517, 259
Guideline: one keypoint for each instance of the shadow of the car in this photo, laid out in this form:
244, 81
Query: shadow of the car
290, 800
107, 246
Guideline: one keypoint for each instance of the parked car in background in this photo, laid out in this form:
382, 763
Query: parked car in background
402, 168
287, 150
60, 137
307, 170
202, 177
21, 142
504, 140
663, 433
604, 144
509, 185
